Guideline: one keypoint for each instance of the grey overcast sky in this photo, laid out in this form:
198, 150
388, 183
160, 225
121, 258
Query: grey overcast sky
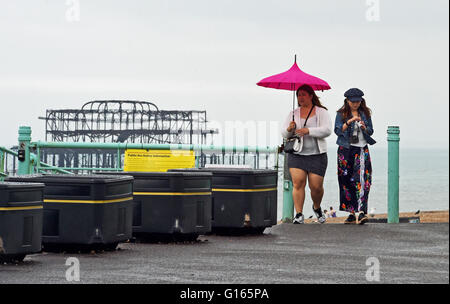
208, 55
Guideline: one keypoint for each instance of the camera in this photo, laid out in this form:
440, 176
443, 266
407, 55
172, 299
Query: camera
354, 139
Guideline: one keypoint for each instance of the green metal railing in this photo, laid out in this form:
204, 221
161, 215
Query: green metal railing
5, 171
30, 165
4, 154
120, 147
32, 153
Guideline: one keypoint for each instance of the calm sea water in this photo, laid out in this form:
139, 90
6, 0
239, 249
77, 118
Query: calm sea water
424, 182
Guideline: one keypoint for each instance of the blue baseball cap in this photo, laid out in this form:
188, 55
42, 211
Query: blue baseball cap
354, 95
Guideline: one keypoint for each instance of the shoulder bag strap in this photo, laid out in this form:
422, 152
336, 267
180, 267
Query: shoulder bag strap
310, 111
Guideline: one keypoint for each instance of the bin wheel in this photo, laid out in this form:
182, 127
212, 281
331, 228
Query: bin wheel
191, 237
259, 230
111, 247
238, 231
11, 258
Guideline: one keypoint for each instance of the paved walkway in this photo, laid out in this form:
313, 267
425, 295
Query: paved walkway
286, 253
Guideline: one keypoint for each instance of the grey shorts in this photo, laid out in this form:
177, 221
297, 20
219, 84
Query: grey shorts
316, 164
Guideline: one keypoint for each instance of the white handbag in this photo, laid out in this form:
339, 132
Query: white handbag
295, 143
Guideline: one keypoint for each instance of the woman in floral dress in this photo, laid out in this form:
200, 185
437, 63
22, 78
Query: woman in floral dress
353, 126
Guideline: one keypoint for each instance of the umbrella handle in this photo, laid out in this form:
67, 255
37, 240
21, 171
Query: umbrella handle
293, 103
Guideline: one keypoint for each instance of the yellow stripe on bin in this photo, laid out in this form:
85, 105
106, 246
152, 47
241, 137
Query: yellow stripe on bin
244, 190
88, 202
20, 208
172, 193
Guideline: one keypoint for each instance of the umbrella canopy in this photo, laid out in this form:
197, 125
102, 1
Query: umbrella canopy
292, 79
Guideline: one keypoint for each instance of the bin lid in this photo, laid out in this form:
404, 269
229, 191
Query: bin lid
237, 171
72, 178
165, 174
15, 185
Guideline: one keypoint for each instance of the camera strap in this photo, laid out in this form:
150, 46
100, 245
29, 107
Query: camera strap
307, 117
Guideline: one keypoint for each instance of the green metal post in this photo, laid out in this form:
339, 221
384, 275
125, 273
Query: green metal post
393, 173
288, 201
197, 162
2, 165
38, 161
24, 166
118, 165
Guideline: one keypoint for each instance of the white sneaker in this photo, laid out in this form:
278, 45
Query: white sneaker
320, 216
299, 219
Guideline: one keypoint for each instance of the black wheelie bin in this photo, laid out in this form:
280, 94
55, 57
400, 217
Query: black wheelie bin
171, 206
85, 212
243, 200
20, 220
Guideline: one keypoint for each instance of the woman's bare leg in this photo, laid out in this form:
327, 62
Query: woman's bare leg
299, 178
316, 186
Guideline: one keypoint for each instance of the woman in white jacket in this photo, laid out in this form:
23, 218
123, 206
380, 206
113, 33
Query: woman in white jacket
312, 123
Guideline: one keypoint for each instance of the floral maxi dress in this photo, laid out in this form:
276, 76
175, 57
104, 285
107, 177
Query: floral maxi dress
355, 178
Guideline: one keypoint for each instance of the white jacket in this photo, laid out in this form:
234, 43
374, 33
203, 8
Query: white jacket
320, 133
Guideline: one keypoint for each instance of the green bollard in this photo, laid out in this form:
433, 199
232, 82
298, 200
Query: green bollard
393, 173
288, 201
24, 164
2, 165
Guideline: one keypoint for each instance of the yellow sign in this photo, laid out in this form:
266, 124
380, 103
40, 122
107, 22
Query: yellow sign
157, 160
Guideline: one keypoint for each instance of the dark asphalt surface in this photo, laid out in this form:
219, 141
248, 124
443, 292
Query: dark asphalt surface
314, 253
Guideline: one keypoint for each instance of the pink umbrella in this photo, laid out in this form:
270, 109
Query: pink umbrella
292, 79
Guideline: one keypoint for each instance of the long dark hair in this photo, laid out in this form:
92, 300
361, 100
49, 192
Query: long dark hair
347, 112
311, 92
